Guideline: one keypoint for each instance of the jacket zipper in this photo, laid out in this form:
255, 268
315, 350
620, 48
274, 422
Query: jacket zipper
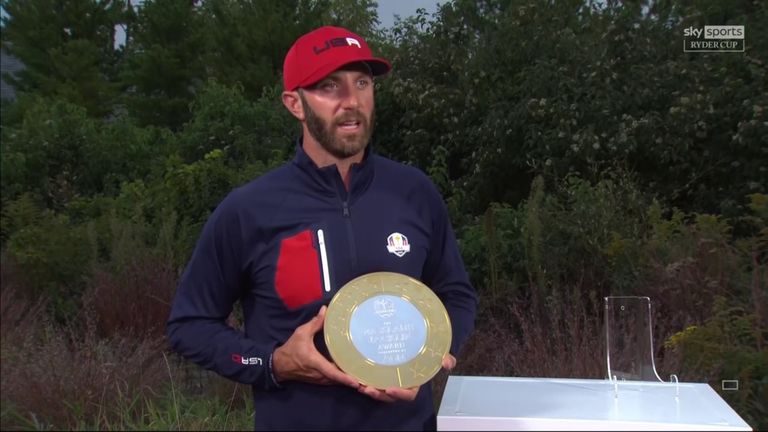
324, 260
347, 215
345, 209
350, 234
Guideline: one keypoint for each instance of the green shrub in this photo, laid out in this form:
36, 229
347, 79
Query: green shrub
730, 345
53, 256
246, 131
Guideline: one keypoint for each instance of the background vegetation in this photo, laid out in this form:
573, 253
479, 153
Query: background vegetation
581, 152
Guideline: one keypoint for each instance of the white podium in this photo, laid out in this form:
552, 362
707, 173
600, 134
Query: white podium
506, 403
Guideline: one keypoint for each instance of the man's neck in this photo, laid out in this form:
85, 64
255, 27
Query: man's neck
322, 158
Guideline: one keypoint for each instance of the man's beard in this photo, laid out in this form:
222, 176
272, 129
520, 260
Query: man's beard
323, 132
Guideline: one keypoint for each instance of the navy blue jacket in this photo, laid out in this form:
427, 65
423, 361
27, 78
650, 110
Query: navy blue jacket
260, 246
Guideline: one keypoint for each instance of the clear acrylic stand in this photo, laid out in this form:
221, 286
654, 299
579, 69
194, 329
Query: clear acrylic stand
629, 342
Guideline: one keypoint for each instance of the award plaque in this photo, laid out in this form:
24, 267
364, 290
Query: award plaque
387, 330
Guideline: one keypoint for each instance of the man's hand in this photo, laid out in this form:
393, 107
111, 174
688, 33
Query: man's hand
299, 360
393, 394
449, 362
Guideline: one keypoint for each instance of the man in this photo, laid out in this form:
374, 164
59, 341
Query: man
285, 243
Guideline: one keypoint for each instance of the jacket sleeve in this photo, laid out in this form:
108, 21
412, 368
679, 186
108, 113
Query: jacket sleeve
444, 272
208, 289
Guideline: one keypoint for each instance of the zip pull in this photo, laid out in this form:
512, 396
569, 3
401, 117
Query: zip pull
324, 260
345, 209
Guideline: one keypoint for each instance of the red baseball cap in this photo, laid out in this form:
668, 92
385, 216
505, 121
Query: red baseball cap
321, 51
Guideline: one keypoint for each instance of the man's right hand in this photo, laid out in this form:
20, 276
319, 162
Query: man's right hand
299, 360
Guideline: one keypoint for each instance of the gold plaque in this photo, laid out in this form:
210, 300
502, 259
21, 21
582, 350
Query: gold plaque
387, 330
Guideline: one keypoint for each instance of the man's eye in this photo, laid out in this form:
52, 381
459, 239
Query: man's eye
329, 85
363, 83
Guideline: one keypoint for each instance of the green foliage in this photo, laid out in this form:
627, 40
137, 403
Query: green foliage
124, 152
18, 214
493, 249
575, 234
590, 233
359, 16
43, 155
163, 67
605, 236
67, 49
729, 345
57, 153
190, 192
757, 222
685, 237
524, 87
424, 102
247, 41
247, 131
695, 259
533, 235
195, 189
53, 255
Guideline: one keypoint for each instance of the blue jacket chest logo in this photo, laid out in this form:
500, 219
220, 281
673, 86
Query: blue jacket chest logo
398, 244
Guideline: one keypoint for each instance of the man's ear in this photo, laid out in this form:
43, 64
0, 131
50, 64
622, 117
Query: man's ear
292, 102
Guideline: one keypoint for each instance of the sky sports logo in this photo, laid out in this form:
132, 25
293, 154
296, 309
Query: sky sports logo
716, 38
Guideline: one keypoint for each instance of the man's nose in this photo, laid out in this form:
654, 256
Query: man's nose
350, 97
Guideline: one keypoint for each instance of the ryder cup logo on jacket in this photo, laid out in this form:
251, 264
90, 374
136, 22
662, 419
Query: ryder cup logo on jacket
398, 244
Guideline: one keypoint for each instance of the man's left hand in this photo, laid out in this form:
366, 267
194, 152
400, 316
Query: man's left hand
449, 362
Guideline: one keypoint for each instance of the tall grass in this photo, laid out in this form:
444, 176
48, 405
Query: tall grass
108, 369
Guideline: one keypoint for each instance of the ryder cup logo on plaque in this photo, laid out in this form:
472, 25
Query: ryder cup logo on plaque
387, 330
384, 307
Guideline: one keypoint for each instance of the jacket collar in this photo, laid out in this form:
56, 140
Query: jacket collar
328, 179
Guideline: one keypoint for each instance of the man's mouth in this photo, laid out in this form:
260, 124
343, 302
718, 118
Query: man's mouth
349, 125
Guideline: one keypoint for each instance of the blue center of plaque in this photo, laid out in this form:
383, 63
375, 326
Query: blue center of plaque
387, 330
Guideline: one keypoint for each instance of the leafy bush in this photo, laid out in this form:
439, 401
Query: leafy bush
44, 153
247, 132
52, 255
58, 154
585, 87
729, 345
590, 235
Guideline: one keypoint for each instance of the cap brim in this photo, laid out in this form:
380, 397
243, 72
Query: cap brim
378, 66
